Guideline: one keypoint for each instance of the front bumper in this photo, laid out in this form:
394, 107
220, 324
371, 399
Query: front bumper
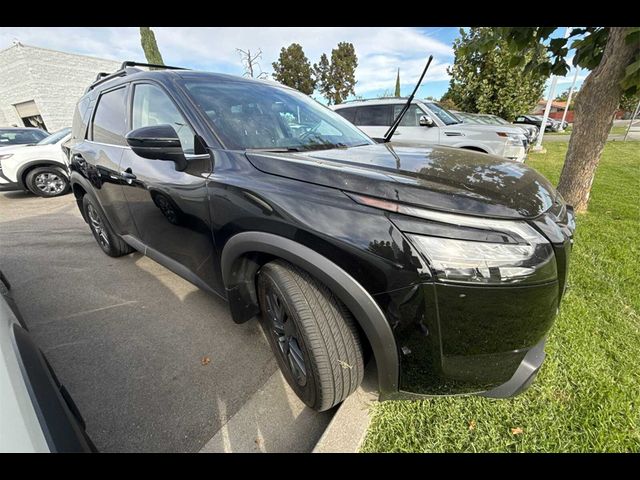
461, 339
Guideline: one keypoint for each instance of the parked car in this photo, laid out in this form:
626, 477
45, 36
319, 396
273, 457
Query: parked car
536, 120
429, 123
486, 119
40, 168
37, 414
446, 265
13, 136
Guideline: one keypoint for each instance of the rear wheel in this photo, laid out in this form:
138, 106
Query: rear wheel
47, 182
313, 336
109, 242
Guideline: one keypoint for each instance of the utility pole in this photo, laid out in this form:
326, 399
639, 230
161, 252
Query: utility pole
552, 91
566, 109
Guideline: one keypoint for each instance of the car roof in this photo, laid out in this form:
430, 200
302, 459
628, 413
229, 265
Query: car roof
380, 101
167, 76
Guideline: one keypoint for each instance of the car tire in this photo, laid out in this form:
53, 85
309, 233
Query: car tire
312, 334
47, 182
108, 241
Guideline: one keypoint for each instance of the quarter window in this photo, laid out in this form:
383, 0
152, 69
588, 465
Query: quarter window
109, 122
374, 115
151, 106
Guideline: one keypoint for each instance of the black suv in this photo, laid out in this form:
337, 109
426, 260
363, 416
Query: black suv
446, 266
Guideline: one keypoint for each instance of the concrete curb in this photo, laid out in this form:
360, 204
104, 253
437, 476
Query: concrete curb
346, 431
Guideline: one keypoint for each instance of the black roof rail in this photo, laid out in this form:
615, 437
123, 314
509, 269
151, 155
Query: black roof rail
127, 68
129, 63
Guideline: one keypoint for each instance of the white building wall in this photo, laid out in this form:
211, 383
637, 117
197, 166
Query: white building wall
54, 80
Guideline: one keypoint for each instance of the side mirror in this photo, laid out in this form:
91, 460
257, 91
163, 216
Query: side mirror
158, 142
425, 121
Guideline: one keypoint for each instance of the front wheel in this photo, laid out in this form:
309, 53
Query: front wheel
312, 334
47, 182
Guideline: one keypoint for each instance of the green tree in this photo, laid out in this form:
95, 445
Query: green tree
150, 46
629, 102
294, 69
336, 79
484, 81
397, 93
613, 56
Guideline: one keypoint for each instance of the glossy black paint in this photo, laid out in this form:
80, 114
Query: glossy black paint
448, 339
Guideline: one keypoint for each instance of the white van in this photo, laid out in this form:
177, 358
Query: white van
428, 122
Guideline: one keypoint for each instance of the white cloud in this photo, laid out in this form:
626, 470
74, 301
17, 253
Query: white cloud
380, 51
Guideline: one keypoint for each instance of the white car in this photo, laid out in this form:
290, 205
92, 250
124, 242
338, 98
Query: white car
40, 168
37, 414
427, 122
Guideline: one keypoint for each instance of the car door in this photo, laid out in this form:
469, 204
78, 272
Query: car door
410, 131
97, 156
170, 208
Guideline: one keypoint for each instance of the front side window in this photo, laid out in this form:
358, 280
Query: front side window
152, 106
374, 115
443, 114
411, 118
109, 121
256, 115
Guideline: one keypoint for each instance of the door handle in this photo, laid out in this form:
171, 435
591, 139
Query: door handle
128, 175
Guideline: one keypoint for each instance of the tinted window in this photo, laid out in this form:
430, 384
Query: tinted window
520, 119
348, 113
81, 118
256, 115
55, 137
411, 118
21, 137
374, 115
109, 122
151, 106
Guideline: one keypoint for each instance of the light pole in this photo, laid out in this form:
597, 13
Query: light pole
552, 91
566, 109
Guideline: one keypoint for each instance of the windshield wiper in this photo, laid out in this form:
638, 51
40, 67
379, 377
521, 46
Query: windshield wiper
275, 149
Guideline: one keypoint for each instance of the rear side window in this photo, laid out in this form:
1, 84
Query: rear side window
348, 113
374, 115
109, 121
81, 118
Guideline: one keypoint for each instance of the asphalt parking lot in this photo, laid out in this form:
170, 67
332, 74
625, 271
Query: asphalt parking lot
153, 363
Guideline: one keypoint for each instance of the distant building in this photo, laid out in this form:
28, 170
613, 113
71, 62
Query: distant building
40, 87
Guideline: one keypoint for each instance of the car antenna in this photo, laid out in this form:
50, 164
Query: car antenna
396, 122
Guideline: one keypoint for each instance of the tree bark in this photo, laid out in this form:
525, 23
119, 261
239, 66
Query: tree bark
595, 107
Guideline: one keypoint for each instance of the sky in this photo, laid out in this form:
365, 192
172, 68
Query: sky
380, 50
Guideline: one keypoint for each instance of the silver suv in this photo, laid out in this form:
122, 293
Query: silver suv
428, 122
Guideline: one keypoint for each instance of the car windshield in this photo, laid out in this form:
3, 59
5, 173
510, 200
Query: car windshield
254, 115
54, 137
21, 137
443, 114
467, 118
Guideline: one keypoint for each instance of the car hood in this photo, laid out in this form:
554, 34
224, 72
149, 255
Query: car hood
440, 178
8, 148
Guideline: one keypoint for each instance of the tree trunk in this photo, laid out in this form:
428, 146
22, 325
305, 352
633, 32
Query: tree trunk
595, 107
150, 47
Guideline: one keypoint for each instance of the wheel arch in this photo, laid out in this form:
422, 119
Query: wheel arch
245, 252
23, 171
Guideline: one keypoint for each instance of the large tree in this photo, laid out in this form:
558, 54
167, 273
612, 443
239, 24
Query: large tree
397, 92
485, 81
613, 56
336, 79
150, 46
294, 69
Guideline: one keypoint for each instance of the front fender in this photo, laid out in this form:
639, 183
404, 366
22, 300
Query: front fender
239, 283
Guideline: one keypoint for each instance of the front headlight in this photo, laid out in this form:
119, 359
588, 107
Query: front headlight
512, 138
462, 248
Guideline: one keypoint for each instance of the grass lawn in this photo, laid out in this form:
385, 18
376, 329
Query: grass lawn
587, 395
